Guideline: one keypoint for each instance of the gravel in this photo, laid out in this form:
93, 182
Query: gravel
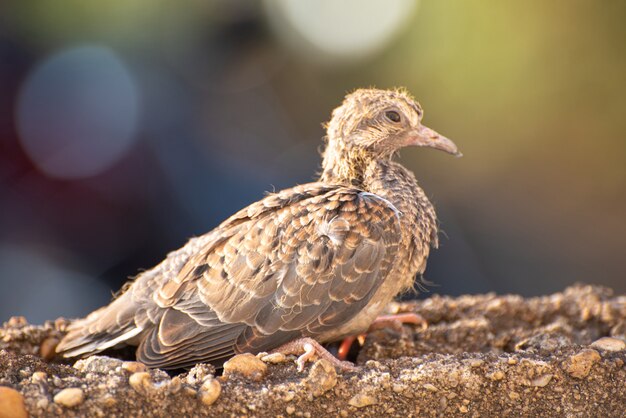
486, 355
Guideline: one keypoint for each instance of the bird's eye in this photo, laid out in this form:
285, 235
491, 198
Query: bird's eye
393, 116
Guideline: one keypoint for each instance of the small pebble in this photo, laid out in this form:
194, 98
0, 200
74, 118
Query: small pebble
580, 364
361, 400
140, 381
372, 364
541, 381
199, 373
497, 375
11, 403
322, 377
210, 391
69, 397
39, 377
443, 403
108, 400
42, 403
476, 363
98, 364
17, 322
246, 365
514, 396
61, 324
134, 366
430, 387
609, 344
290, 410
175, 385
190, 391
47, 348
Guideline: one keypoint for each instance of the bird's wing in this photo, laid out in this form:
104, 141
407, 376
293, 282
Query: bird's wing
302, 261
134, 314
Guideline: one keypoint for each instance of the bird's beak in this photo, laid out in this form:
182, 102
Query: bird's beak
426, 137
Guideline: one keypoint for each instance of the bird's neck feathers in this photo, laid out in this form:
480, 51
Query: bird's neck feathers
345, 165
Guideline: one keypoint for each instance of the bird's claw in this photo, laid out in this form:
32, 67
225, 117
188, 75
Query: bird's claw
311, 349
309, 353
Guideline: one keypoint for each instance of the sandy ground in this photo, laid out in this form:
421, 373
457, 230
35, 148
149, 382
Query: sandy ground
562, 355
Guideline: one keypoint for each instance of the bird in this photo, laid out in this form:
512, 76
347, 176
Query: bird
301, 267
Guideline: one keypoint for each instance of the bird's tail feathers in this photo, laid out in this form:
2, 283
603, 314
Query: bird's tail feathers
108, 327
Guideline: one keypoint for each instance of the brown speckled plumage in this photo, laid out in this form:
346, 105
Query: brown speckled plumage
319, 260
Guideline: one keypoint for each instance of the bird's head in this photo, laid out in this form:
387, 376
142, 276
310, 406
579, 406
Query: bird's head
379, 123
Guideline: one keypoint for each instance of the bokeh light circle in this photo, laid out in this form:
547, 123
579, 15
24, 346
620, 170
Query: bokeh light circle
77, 112
339, 30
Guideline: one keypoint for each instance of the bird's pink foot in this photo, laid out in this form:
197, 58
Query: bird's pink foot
346, 345
385, 321
307, 349
396, 321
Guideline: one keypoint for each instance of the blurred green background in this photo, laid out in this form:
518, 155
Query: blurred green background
127, 127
